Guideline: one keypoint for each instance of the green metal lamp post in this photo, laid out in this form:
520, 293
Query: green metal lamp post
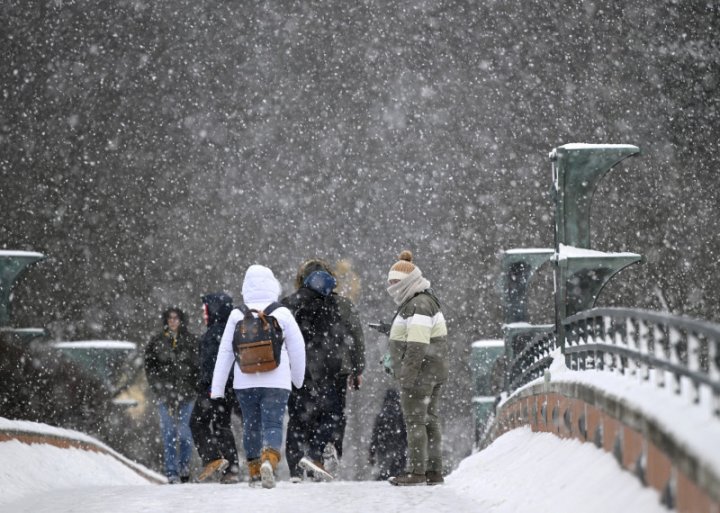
580, 274
12, 264
577, 169
518, 268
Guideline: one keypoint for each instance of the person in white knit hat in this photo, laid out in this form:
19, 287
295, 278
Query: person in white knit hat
419, 362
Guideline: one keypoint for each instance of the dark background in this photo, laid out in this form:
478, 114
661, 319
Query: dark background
154, 150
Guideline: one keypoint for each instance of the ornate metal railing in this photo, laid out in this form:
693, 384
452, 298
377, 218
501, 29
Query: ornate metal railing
653, 346
671, 351
531, 362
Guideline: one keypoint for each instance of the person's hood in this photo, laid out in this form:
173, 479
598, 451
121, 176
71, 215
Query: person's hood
310, 266
260, 285
219, 306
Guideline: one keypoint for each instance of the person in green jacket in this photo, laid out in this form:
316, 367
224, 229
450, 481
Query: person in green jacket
418, 352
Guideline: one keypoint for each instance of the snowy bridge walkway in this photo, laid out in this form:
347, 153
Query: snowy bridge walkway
520, 471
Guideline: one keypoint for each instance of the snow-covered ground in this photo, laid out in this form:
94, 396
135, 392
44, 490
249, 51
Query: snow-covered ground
521, 471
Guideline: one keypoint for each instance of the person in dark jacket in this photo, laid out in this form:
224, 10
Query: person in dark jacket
211, 419
388, 444
335, 349
171, 368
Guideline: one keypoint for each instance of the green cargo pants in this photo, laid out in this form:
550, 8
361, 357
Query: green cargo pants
420, 410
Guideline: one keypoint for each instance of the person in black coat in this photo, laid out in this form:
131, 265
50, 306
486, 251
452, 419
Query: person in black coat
388, 444
171, 368
211, 419
335, 351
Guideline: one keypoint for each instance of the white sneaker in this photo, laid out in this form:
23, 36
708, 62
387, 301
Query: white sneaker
316, 468
267, 475
330, 459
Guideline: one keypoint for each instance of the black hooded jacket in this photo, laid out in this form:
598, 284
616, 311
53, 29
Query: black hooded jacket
334, 340
219, 306
332, 333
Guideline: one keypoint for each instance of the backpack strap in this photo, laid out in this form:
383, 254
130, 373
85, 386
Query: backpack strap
272, 307
268, 309
427, 292
431, 293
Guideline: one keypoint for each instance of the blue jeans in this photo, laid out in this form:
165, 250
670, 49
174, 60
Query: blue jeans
175, 427
263, 410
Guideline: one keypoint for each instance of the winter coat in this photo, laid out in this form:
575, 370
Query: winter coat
171, 365
334, 341
219, 307
260, 288
418, 342
354, 354
388, 442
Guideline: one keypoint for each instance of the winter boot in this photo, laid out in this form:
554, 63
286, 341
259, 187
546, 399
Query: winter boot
230, 478
330, 459
433, 477
254, 471
217, 465
270, 459
408, 480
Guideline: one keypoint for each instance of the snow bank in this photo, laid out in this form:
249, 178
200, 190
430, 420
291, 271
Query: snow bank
29, 469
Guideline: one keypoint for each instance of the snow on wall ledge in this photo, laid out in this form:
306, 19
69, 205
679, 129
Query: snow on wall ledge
96, 463
669, 445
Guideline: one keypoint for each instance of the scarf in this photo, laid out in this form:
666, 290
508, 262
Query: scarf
408, 286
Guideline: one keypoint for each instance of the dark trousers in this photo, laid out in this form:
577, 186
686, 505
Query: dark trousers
212, 433
317, 417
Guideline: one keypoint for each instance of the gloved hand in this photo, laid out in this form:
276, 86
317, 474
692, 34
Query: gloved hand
387, 364
218, 405
382, 327
354, 381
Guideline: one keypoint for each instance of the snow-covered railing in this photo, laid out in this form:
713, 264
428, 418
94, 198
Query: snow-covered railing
668, 350
653, 346
531, 362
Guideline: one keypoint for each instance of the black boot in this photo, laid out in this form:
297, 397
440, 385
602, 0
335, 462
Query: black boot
433, 477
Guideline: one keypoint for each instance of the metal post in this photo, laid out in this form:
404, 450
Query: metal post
580, 275
577, 169
12, 264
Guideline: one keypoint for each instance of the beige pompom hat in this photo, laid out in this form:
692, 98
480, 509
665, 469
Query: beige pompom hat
403, 267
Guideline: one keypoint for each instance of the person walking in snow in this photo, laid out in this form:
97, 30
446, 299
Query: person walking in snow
418, 353
171, 368
211, 418
335, 348
263, 396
